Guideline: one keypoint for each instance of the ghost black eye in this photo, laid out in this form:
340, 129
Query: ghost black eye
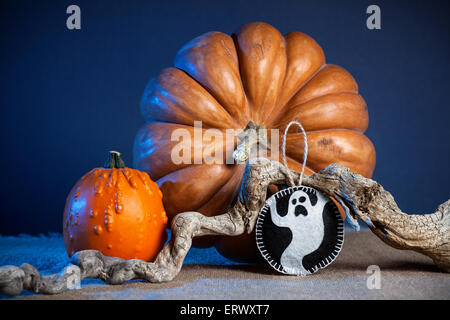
294, 201
302, 199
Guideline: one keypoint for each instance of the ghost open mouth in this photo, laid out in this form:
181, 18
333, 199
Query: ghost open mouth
299, 231
300, 210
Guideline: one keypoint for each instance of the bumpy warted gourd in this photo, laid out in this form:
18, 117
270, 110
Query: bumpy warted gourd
116, 210
227, 81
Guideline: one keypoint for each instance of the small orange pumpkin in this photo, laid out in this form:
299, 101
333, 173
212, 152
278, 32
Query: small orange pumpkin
115, 210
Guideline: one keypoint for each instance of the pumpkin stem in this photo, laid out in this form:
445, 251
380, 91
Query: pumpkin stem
114, 160
252, 136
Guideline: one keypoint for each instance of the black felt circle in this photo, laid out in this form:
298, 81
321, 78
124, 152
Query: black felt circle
274, 240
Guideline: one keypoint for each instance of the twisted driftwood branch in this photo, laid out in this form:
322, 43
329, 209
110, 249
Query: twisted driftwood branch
367, 200
360, 197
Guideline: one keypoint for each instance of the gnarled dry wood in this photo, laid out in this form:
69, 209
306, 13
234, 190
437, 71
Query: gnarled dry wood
361, 198
367, 200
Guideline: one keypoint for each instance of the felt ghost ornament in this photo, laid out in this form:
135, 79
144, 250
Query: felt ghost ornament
299, 230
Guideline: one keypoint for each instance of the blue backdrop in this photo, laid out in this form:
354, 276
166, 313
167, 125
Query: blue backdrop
69, 96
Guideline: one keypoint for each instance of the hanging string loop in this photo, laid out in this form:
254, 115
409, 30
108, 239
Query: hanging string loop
305, 153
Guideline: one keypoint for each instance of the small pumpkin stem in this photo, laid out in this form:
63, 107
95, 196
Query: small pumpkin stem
114, 161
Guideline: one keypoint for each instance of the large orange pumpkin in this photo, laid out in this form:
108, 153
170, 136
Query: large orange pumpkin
255, 75
115, 210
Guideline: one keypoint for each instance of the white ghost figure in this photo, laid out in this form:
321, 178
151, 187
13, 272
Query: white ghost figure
307, 230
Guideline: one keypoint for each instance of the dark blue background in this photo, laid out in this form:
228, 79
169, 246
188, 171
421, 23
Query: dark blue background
69, 96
